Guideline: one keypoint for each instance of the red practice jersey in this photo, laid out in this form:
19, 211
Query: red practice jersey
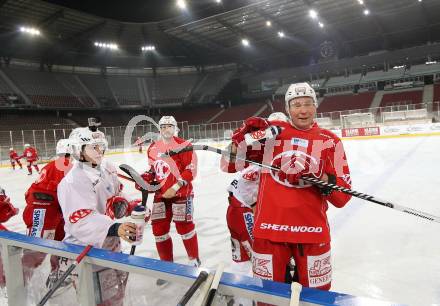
169, 169
13, 155
297, 214
30, 154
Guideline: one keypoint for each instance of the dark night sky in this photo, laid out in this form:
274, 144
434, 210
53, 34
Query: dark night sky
148, 10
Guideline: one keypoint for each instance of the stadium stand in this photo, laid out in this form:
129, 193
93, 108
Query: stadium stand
380, 75
172, 89
125, 89
201, 114
100, 88
343, 80
402, 98
71, 82
43, 88
211, 85
345, 102
239, 112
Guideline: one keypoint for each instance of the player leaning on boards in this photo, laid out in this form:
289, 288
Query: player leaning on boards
173, 201
90, 198
291, 228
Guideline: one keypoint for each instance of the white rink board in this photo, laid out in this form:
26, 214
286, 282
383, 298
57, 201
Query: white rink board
377, 252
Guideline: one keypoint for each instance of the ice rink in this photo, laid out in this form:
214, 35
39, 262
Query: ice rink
377, 252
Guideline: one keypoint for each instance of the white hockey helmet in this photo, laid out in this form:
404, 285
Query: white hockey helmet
11, 149
300, 90
84, 136
63, 147
168, 120
278, 116
26, 145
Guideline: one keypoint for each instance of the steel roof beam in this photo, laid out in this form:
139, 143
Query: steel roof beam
49, 20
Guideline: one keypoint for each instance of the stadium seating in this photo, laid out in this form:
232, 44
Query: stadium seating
402, 98
125, 89
170, 89
239, 112
345, 102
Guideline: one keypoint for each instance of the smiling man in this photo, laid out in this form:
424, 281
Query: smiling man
291, 231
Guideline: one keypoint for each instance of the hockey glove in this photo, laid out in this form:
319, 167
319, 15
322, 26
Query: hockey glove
7, 210
117, 207
326, 191
149, 177
251, 124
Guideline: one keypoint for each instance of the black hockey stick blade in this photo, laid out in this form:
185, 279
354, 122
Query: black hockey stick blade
134, 175
203, 275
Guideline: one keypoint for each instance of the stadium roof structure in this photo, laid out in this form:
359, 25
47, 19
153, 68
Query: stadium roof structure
212, 34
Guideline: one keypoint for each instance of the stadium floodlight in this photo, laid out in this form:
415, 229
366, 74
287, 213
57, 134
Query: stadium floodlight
245, 42
321, 25
111, 46
361, 2
148, 48
268, 23
30, 30
280, 34
218, 1
313, 14
181, 4
366, 12
431, 62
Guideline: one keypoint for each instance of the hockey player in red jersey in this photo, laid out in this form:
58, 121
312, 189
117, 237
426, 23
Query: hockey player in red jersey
174, 200
291, 227
14, 158
42, 214
7, 211
31, 155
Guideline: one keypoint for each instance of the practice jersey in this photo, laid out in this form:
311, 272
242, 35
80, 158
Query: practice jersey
169, 169
48, 180
244, 187
30, 154
297, 213
83, 194
13, 155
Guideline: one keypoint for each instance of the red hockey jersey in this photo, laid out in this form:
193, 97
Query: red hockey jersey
169, 169
30, 154
297, 213
13, 155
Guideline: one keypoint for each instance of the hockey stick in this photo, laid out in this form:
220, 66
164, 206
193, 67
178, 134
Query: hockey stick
214, 286
125, 177
140, 181
64, 276
203, 275
318, 182
295, 289
204, 290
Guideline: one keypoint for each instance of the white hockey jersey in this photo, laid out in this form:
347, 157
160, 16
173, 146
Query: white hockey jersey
244, 187
83, 195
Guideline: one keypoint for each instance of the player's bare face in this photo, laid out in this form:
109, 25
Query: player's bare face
302, 111
93, 153
167, 131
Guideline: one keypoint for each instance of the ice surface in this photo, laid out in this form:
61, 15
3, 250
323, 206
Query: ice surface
377, 252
